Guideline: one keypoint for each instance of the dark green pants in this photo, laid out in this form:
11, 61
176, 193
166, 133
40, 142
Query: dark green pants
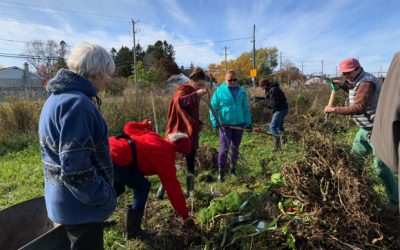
362, 147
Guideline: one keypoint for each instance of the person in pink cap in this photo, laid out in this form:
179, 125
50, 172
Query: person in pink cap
364, 90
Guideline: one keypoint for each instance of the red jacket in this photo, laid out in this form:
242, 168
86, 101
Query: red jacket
155, 156
183, 113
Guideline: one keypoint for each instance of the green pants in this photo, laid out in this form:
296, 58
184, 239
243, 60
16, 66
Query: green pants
362, 147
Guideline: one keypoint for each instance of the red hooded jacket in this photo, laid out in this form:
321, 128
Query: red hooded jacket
183, 113
155, 156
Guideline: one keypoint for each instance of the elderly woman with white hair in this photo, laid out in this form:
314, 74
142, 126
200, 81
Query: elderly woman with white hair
78, 171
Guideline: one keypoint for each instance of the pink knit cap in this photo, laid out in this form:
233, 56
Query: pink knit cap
348, 65
181, 142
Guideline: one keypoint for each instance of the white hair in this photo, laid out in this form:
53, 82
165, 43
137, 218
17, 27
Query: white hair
91, 61
176, 136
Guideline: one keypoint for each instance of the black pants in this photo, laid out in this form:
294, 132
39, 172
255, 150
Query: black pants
190, 161
86, 236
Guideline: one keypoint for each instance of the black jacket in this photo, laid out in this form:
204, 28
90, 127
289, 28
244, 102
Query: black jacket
274, 98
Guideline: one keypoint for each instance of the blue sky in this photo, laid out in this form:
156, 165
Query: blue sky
305, 31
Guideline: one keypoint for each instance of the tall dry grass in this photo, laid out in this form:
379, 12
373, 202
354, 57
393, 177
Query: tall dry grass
19, 118
18, 124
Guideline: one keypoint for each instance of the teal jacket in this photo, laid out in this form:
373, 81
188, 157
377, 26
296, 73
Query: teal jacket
229, 111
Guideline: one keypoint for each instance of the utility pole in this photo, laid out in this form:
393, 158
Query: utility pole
280, 66
322, 68
226, 63
134, 54
302, 68
322, 72
254, 54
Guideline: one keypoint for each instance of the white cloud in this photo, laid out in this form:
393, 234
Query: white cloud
329, 31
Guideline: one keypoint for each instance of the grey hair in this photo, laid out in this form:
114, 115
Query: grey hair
176, 136
91, 61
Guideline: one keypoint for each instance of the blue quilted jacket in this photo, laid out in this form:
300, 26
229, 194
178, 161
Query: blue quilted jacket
77, 166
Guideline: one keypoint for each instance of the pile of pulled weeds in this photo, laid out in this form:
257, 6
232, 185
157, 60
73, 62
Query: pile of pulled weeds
339, 208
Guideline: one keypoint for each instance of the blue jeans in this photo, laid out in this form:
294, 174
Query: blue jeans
136, 181
278, 119
229, 139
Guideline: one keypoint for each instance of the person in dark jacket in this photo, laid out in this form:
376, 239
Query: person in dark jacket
151, 155
78, 172
275, 100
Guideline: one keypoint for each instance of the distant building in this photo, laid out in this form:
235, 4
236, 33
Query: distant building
18, 82
15, 77
316, 80
177, 79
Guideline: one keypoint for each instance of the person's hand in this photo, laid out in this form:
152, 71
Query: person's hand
329, 109
148, 124
336, 84
201, 92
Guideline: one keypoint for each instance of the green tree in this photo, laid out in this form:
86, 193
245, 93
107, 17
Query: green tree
153, 77
266, 61
124, 60
161, 54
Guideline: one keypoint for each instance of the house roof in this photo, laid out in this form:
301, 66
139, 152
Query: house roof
16, 73
180, 78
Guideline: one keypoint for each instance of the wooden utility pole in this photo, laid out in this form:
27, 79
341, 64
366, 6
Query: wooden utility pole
134, 53
226, 63
254, 54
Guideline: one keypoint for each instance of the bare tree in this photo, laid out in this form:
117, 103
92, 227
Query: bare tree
43, 56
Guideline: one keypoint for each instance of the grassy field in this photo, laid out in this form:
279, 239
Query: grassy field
21, 179
255, 195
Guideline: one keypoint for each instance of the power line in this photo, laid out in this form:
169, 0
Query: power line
46, 9
22, 56
26, 42
211, 42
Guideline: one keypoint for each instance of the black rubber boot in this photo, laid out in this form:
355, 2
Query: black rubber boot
221, 176
233, 171
133, 220
284, 138
277, 143
189, 184
160, 192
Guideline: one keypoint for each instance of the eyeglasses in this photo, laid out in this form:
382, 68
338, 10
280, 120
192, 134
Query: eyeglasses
232, 80
349, 73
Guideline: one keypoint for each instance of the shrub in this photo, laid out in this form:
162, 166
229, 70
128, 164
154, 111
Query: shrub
117, 86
